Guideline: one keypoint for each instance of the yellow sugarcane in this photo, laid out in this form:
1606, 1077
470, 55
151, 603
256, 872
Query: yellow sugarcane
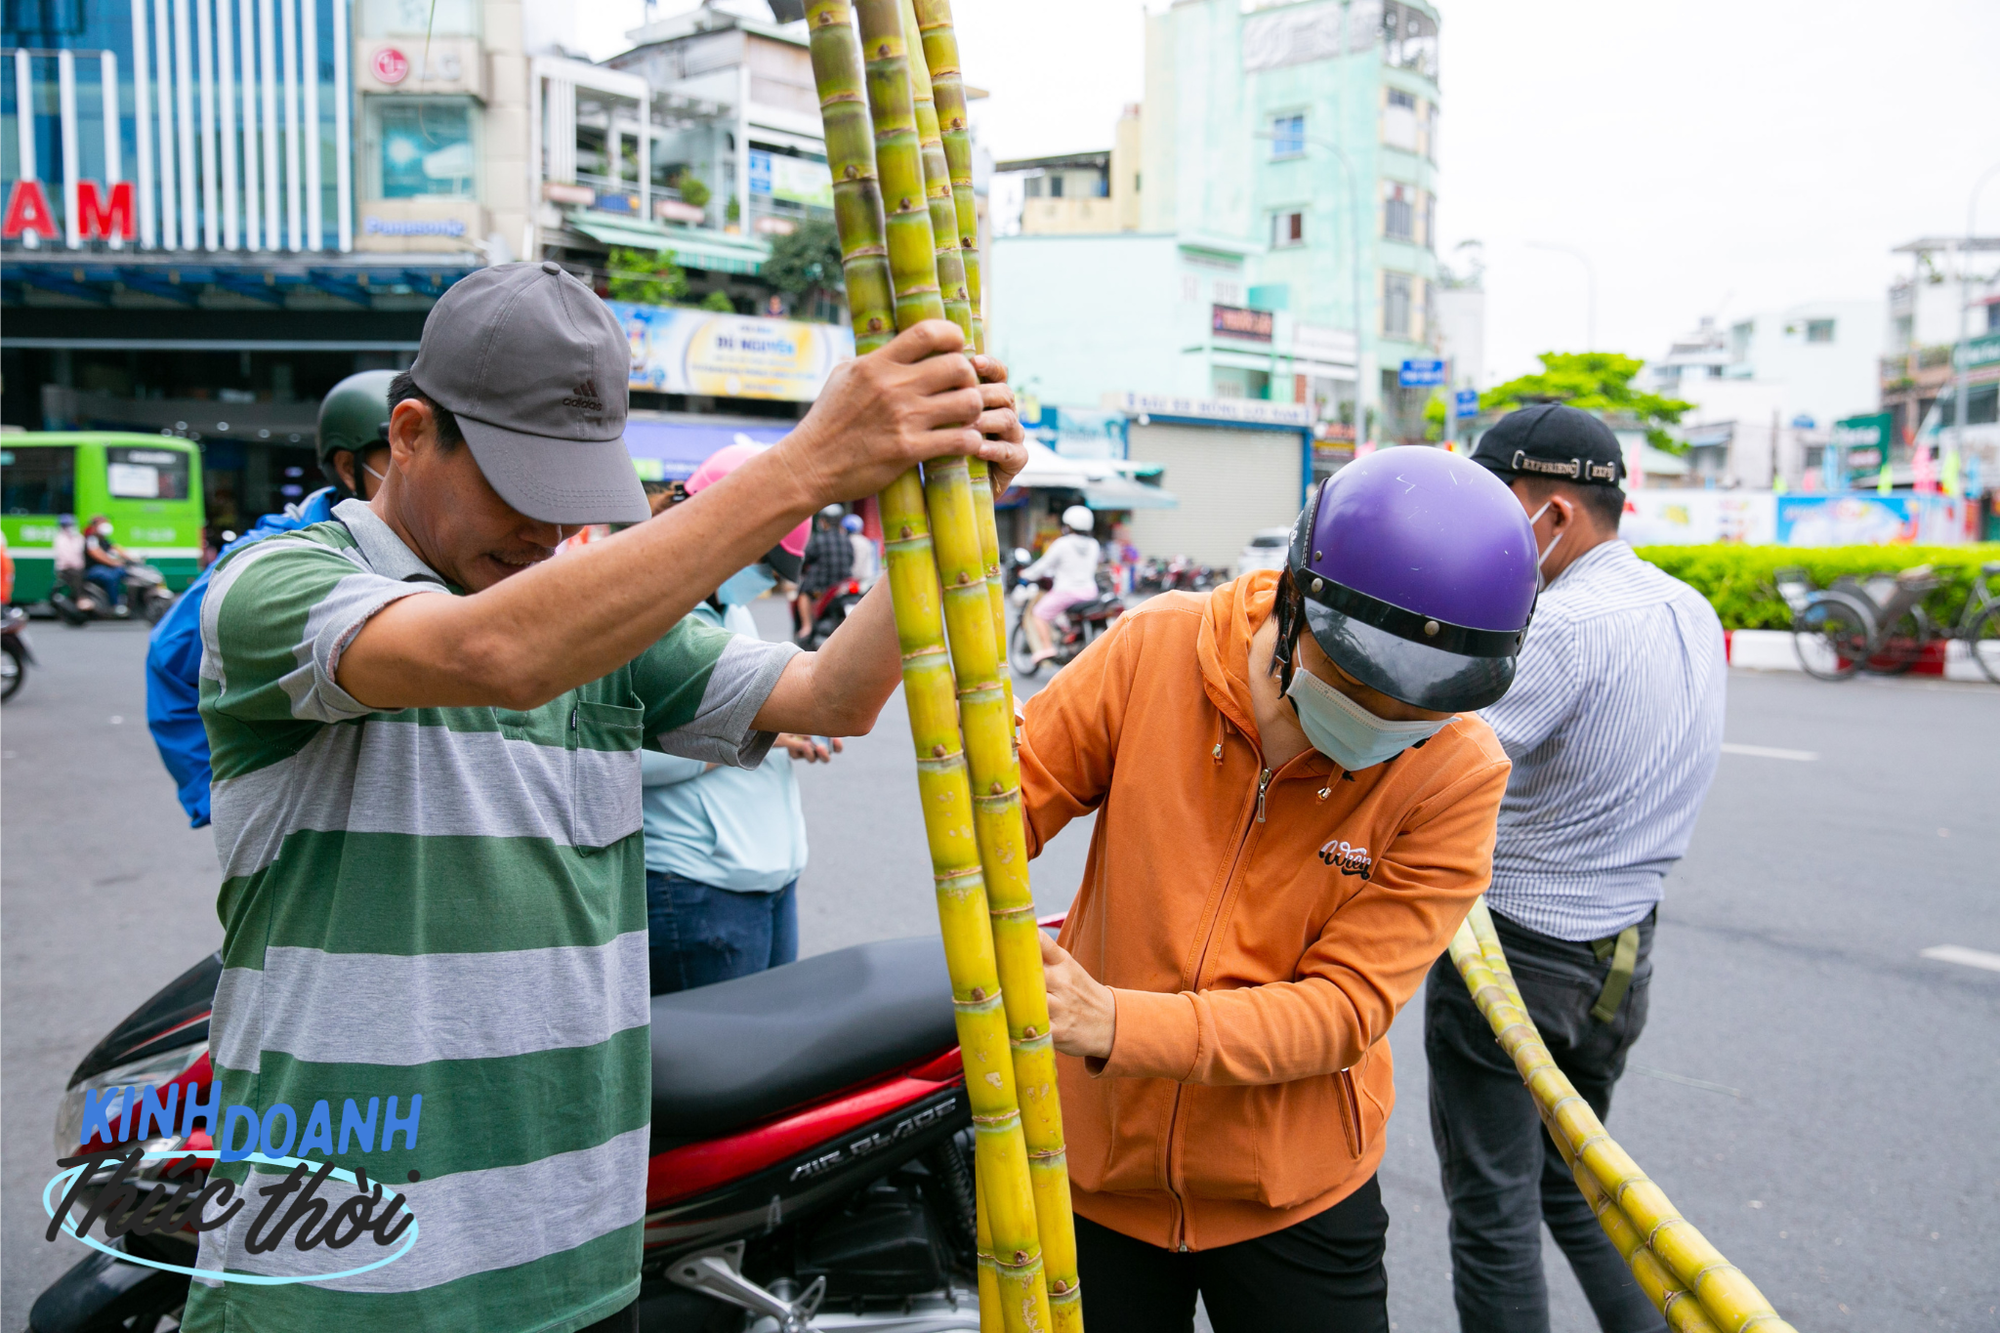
989, 1273
940, 44
1727, 1299
1006, 1195
966, 544
937, 189
850, 156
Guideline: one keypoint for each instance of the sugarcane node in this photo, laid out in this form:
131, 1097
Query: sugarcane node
1020, 1257
882, 49
997, 789
938, 751
905, 533
903, 204
853, 171
1028, 1031
978, 993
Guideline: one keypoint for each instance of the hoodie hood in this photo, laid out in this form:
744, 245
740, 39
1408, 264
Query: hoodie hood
1231, 618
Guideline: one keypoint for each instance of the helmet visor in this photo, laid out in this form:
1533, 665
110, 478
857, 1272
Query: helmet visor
1414, 673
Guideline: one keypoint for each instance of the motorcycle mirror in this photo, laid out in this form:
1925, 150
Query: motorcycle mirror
1022, 556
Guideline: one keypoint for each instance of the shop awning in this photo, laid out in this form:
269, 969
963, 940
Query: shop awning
1124, 493
671, 448
712, 251
1049, 471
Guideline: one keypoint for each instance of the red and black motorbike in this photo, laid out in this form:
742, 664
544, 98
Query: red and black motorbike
811, 1160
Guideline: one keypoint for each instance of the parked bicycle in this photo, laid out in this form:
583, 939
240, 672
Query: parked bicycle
1878, 624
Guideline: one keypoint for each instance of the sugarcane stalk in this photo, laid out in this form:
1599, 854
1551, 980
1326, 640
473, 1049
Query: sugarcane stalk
965, 540
1728, 1299
850, 157
989, 553
899, 164
989, 1272
938, 190
1005, 1185
940, 44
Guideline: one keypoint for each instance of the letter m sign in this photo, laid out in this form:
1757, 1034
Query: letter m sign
101, 219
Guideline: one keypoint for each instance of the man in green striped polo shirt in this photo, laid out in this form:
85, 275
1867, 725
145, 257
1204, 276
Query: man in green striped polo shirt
426, 743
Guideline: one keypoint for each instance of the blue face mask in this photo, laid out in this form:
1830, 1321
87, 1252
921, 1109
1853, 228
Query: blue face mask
745, 586
1347, 733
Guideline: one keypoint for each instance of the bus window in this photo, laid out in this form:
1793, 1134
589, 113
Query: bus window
40, 481
146, 474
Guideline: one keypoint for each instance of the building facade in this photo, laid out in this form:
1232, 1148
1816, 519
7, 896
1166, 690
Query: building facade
1769, 388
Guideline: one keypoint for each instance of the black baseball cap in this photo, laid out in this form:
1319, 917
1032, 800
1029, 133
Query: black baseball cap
1552, 441
534, 367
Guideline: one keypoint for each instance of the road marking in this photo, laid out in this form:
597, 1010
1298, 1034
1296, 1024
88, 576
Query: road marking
1952, 953
1683, 1080
1770, 752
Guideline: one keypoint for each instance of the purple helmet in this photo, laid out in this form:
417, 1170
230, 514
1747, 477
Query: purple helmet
1415, 570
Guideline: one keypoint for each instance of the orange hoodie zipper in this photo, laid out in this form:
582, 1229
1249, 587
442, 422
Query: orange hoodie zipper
1264, 776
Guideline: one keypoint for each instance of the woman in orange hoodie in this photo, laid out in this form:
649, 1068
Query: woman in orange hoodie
1295, 809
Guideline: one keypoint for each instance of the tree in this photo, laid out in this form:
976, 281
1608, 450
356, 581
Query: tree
647, 277
718, 301
1593, 382
804, 261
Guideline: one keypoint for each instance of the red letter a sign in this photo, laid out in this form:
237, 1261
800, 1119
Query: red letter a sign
28, 211
99, 220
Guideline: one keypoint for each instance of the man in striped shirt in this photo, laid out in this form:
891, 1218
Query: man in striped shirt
426, 801
1614, 726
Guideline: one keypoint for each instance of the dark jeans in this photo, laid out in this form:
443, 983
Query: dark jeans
1322, 1275
701, 934
1502, 1175
111, 579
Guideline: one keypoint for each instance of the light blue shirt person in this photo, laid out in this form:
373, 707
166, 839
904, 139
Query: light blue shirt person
724, 846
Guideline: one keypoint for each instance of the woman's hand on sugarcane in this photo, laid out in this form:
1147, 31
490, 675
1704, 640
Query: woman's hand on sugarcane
1083, 1012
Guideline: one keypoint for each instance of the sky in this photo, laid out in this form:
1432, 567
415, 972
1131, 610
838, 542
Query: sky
1708, 157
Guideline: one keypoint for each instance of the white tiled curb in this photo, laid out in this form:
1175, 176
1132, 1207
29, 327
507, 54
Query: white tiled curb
1774, 650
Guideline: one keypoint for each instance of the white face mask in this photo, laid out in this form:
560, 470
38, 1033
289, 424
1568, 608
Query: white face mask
1347, 733
1542, 556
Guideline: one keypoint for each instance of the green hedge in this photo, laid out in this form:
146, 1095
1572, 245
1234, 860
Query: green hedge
1739, 580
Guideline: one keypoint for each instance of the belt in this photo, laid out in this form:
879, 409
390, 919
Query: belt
1623, 951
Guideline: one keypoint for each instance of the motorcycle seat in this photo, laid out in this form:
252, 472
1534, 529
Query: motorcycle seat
738, 1051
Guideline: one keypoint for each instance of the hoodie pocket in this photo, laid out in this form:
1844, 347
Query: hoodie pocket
1277, 1144
1350, 1111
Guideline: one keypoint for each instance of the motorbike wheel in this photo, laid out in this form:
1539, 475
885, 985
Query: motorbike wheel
1020, 652
13, 670
72, 615
158, 602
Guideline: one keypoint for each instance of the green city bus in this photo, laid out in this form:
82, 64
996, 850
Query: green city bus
149, 486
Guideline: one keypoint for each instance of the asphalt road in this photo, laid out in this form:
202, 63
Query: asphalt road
1812, 1092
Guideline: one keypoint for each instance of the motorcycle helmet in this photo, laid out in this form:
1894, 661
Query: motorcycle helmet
354, 418
787, 558
1079, 519
852, 523
1414, 569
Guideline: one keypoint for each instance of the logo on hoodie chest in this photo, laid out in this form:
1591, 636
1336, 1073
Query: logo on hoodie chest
1347, 858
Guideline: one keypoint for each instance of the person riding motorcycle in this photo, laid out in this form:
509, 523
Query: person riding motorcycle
1294, 806
105, 561
1072, 561
353, 454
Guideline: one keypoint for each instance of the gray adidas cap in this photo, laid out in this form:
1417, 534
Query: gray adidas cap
534, 367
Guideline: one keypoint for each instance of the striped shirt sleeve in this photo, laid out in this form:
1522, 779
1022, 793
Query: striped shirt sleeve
275, 622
